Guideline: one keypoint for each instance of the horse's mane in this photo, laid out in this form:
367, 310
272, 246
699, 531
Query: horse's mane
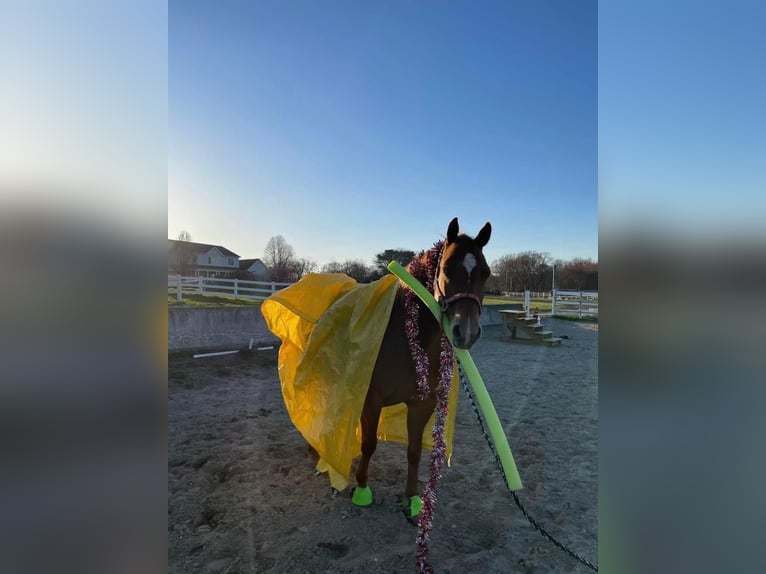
423, 266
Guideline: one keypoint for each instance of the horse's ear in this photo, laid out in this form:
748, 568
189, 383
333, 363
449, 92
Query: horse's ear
483, 237
452, 231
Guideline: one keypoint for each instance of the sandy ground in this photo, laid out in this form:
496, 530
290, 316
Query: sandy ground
242, 495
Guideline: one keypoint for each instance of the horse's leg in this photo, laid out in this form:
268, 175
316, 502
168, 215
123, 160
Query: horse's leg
418, 413
370, 417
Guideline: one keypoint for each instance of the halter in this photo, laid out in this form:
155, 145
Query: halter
442, 299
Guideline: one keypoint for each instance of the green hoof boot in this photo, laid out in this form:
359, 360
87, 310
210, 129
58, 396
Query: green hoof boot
416, 504
362, 496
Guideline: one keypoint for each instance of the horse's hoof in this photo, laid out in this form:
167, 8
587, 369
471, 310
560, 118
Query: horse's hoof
362, 496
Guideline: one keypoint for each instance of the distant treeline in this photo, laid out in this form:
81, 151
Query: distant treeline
530, 270
534, 271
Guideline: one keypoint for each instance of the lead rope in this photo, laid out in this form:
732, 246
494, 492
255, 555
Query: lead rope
532, 521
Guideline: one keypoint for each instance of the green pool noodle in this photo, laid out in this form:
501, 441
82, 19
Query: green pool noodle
362, 496
510, 471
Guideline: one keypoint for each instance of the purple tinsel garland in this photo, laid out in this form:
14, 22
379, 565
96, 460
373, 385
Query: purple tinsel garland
426, 273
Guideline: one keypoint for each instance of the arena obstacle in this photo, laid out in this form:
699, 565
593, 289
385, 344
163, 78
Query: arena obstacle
518, 326
222, 353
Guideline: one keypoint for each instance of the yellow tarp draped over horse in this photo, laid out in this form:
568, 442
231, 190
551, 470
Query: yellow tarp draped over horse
331, 330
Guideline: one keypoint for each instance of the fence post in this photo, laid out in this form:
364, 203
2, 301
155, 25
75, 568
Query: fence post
236, 284
526, 302
273, 288
553, 304
580, 307
201, 283
179, 296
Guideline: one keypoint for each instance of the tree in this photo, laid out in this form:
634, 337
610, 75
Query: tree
403, 256
332, 267
354, 268
301, 267
185, 257
495, 285
578, 274
529, 270
279, 257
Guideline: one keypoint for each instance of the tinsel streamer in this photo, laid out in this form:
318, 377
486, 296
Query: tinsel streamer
425, 269
438, 457
426, 274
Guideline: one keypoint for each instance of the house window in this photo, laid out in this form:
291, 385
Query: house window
209, 260
231, 261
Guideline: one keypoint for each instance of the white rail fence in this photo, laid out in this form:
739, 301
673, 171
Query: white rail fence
237, 288
532, 294
580, 303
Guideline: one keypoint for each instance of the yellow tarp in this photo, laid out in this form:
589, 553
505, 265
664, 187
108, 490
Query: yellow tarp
331, 330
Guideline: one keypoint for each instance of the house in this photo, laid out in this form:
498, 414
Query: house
255, 268
201, 260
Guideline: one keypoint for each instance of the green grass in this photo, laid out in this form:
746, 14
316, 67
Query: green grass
196, 300
536, 305
584, 318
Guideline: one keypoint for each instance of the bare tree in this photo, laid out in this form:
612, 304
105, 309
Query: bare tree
332, 267
302, 267
495, 285
533, 271
578, 274
354, 268
279, 257
184, 255
529, 270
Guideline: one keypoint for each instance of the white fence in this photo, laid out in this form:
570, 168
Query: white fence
523, 294
238, 288
580, 303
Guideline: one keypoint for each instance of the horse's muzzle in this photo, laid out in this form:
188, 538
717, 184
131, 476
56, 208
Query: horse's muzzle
464, 338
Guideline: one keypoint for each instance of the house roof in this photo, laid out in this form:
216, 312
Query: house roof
201, 247
247, 263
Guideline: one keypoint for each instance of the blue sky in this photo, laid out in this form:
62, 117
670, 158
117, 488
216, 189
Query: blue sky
682, 128
350, 128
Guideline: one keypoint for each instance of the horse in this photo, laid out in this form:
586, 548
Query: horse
457, 283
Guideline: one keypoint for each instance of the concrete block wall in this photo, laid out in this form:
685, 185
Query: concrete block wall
215, 327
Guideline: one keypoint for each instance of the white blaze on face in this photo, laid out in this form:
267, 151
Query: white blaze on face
469, 262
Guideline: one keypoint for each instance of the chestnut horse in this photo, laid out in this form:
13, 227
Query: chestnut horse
458, 285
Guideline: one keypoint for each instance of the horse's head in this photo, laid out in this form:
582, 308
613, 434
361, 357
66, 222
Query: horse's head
459, 286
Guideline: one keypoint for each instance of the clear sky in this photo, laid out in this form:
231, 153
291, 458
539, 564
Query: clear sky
682, 128
353, 127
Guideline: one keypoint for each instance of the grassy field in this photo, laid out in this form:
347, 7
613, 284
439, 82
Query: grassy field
196, 300
497, 300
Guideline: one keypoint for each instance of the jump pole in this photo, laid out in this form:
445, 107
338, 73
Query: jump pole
221, 353
512, 478
218, 354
